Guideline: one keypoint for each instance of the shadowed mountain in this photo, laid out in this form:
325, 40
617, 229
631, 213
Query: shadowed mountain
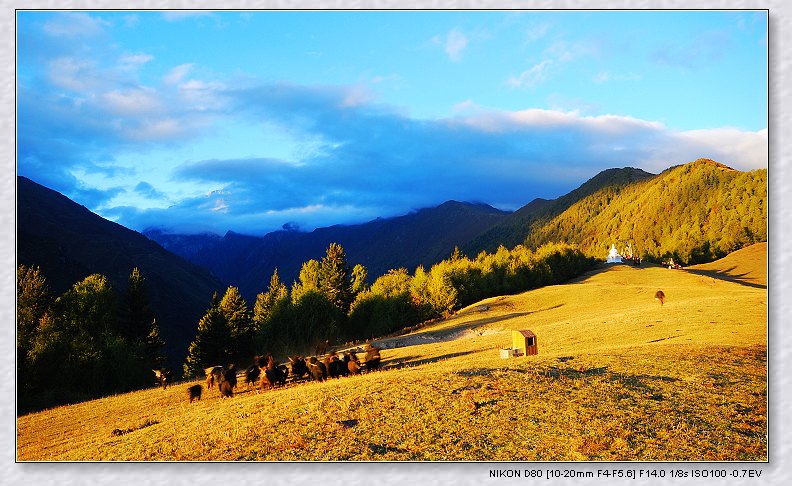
69, 242
423, 237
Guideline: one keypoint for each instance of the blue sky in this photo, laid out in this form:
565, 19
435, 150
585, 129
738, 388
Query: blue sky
249, 120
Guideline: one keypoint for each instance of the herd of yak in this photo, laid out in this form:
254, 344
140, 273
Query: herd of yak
268, 373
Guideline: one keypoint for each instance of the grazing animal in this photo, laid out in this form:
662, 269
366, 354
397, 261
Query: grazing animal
194, 392
274, 373
353, 363
230, 376
317, 368
299, 367
372, 359
252, 374
659, 295
335, 367
228, 382
163, 377
226, 389
214, 374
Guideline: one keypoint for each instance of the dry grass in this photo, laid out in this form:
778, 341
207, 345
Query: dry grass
638, 381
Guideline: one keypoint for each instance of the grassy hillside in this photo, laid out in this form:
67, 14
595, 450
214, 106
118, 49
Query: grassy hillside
747, 266
695, 212
617, 377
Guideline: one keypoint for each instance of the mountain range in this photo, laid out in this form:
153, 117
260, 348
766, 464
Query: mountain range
423, 237
694, 212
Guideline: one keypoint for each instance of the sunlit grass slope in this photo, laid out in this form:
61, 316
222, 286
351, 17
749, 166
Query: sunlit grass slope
617, 377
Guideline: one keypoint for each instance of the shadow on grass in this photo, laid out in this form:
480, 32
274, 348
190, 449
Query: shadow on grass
729, 277
636, 383
410, 361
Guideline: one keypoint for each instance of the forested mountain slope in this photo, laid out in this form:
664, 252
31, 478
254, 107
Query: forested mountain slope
695, 213
68, 243
513, 229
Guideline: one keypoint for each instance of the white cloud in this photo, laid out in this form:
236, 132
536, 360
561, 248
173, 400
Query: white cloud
73, 74
202, 95
158, 129
743, 150
536, 118
131, 101
134, 61
606, 76
75, 24
532, 76
177, 74
536, 32
455, 43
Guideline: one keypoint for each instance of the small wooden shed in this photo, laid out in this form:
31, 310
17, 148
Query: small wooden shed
524, 342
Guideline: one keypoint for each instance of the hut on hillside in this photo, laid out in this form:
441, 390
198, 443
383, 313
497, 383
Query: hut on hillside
524, 342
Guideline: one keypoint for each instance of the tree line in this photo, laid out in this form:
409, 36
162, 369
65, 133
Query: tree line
94, 340
332, 302
88, 342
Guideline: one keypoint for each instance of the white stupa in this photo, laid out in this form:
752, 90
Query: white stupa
613, 255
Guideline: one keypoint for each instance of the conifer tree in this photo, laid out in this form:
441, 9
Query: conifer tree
212, 342
240, 324
267, 302
308, 280
136, 317
154, 346
334, 281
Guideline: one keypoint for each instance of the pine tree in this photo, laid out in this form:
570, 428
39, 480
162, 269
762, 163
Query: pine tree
334, 281
212, 342
88, 307
136, 316
308, 280
267, 302
240, 324
154, 346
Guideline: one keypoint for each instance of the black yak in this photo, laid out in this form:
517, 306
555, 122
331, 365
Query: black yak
228, 382
335, 367
317, 368
252, 374
299, 368
321, 348
194, 392
372, 359
273, 374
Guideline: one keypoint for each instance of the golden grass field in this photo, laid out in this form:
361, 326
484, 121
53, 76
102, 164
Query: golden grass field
618, 377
